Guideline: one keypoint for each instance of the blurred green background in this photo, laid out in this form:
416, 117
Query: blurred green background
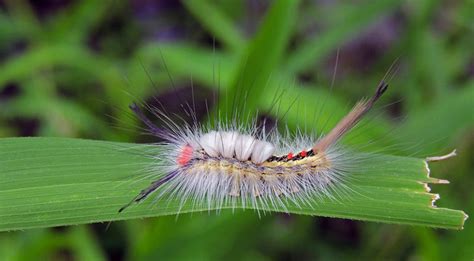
70, 68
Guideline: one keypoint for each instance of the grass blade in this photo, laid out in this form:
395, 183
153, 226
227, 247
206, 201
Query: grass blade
49, 182
354, 21
216, 22
260, 59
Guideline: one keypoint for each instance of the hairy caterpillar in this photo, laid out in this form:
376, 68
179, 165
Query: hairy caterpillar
234, 163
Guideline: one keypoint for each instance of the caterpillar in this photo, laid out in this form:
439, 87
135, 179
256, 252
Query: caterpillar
233, 163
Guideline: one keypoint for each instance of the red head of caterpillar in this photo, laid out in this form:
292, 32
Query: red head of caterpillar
185, 155
219, 166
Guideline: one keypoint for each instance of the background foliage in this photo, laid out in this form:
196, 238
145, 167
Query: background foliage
70, 68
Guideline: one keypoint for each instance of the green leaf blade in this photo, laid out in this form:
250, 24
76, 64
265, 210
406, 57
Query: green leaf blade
55, 181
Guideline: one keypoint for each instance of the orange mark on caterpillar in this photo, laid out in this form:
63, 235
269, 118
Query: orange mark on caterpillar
290, 155
303, 153
185, 155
